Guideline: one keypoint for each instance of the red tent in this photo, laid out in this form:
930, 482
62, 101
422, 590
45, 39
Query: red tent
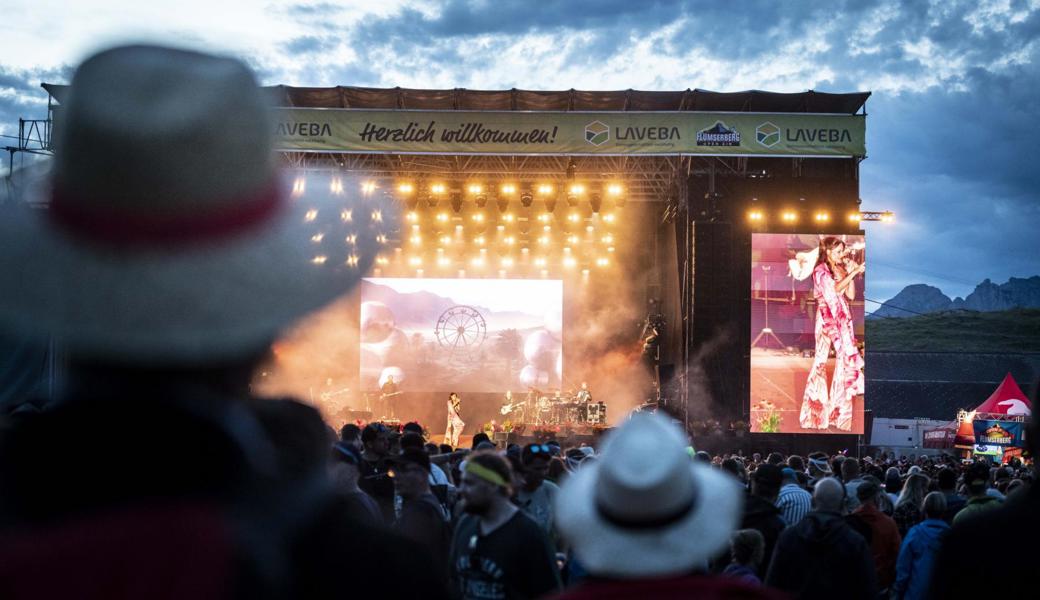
1008, 399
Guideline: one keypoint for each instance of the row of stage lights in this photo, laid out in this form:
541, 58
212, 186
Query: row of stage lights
480, 194
538, 259
822, 217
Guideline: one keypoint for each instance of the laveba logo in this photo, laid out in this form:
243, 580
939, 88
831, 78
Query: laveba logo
597, 133
767, 134
718, 135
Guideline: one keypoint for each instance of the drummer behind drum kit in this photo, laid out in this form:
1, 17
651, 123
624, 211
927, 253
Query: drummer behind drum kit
555, 410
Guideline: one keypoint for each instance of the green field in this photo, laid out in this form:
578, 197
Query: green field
958, 331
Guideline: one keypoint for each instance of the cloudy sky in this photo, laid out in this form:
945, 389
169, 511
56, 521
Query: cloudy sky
952, 122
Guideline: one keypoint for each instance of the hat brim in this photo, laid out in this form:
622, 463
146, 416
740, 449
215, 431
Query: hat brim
196, 304
607, 550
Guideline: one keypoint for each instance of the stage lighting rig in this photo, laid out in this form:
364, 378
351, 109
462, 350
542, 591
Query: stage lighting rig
596, 202
547, 194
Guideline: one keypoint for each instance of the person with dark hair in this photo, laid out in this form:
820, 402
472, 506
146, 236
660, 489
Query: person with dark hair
821, 556
375, 470
976, 480
833, 288
479, 438
919, 549
850, 475
440, 485
746, 548
735, 468
351, 434
775, 459
947, 482
344, 463
497, 551
884, 533
893, 484
455, 422
536, 495
760, 511
422, 518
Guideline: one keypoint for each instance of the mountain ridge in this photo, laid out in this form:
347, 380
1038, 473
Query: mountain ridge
922, 299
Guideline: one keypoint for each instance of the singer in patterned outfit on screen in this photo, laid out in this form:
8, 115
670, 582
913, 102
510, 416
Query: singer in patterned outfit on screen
833, 287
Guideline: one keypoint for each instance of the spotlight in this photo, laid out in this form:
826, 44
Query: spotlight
299, 186
855, 217
545, 189
412, 216
508, 189
438, 188
888, 216
336, 186
416, 239
789, 216
539, 262
596, 201
609, 218
614, 190
569, 262
405, 189
823, 217
475, 189
366, 188
456, 202
478, 217
508, 217
481, 200
415, 261
550, 204
526, 199
755, 216
443, 217
503, 203
602, 262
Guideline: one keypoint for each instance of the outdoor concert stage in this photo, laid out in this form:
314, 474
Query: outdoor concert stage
553, 238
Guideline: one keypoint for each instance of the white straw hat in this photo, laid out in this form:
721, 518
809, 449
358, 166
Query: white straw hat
645, 509
169, 238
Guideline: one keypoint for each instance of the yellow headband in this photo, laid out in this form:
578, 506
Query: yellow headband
485, 473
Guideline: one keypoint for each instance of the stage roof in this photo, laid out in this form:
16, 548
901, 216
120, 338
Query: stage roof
565, 100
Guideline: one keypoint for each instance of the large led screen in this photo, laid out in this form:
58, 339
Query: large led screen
807, 333
465, 335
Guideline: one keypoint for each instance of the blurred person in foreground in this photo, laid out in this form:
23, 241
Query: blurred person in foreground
167, 262
884, 533
822, 556
645, 519
497, 551
1016, 523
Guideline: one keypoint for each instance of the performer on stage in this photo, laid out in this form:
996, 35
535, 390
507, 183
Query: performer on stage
832, 288
584, 396
388, 394
455, 423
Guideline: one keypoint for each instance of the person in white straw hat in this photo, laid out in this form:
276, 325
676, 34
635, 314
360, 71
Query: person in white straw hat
645, 519
167, 260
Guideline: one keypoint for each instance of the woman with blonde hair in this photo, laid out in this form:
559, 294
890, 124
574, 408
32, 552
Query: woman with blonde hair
908, 506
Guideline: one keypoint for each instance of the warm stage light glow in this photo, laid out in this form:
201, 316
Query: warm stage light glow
509, 240
822, 217
299, 186
443, 262
545, 217
310, 215
479, 240
590, 229
507, 262
438, 188
888, 216
547, 228
614, 189
319, 260
412, 217
382, 260
317, 238
475, 188
609, 218
572, 239
445, 239
415, 261
405, 188
508, 217
352, 239
755, 216
416, 239
508, 189
443, 217
539, 262
608, 239
543, 240
569, 262
602, 262
336, 186
478, 217
545, 189
577, 189
855, 217
574, 217
377, 216
610, 249
478, 262
381, 238
789, 216
353, 260
346, 215
367, 187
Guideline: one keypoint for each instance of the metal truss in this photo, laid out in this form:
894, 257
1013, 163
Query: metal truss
645, 178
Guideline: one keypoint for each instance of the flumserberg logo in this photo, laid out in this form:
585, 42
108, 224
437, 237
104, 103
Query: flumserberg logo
597, 133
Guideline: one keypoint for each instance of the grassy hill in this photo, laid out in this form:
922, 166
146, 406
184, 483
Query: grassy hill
1015, 330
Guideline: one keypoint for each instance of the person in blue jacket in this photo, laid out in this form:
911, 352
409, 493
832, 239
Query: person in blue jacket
919, 549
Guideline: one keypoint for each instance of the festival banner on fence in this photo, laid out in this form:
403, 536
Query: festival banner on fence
999, 433
613, 133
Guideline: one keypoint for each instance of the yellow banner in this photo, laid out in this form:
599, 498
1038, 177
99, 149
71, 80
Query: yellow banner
613, 133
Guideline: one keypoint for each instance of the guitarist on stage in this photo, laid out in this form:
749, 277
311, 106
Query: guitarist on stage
387, 394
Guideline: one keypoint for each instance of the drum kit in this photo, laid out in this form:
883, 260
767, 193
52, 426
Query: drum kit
539, 409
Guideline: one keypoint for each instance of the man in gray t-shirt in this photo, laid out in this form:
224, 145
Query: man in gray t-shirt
538, 495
